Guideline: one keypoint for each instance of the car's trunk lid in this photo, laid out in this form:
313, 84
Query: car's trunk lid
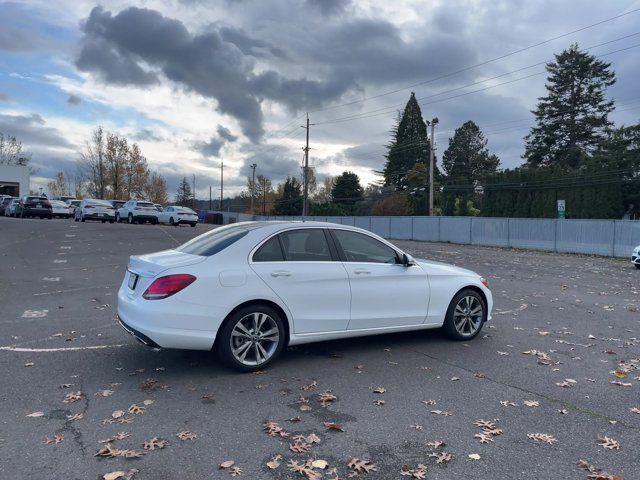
152, 264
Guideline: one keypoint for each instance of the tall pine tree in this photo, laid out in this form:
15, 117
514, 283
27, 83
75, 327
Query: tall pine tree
409, 145
466, 162
290, 203
572, 119
183, 196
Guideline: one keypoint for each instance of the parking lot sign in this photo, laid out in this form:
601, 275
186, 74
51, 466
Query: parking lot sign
561, 209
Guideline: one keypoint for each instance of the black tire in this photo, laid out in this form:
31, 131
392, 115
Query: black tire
75, 219
193, 224
171, 222
223, 342
82, 218
637, 265
103, 221
449, 326
110, 221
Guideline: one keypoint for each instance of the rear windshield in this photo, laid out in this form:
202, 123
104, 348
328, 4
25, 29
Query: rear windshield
184, 210
145, 204
37, 199
215, 241
99, 202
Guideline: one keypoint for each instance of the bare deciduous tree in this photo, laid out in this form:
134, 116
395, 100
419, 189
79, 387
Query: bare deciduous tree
93, 164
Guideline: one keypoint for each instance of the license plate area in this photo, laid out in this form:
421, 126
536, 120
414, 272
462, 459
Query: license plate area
133, 280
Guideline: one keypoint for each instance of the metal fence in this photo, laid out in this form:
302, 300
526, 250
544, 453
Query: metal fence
598, 237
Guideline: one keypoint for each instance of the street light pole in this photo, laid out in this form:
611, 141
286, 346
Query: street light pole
432, 150
221, 183
253, 185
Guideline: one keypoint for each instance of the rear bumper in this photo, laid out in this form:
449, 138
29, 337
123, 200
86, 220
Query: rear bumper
37, 211
152, 323
145, 217
96, 216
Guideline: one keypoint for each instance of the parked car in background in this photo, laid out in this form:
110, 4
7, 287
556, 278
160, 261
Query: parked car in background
94, 209
249, 289
60, 209
117, 203
4, 203
635, 256
175, 215
158, 207
34, 206
63, 198
137, 211
72, 206
10, 209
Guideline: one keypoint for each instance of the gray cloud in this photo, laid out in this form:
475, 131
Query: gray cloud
273, 162
4, 97
249, 45
147, 135
132, 46
225, 133
74, 99
32, 130
210, 148
329, 7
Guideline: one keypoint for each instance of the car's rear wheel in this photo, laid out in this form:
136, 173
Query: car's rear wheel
193, 224
82, 218
466, 314
251, 338
637, 265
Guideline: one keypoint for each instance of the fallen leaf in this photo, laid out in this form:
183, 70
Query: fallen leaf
474, 456
154, 443
36, 414
379, 390
333, 426
120, 474
274, 462
186, 436
542, 437
56, 439
608, 443
227, 464
362, 466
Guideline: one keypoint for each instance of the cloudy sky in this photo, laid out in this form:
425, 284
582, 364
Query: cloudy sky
197, 82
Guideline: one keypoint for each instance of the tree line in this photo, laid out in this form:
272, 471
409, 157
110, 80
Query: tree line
573, 153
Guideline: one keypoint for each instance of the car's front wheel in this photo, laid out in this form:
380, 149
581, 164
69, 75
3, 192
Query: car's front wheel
130, 219
251, 338
466, 314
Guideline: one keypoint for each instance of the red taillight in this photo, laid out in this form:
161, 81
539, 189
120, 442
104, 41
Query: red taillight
484, 282
164, 287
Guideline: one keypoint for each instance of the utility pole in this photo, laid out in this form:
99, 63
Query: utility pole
210, 198
221, 183
193, 203
253, 185
264, 196
432, 151
305, 170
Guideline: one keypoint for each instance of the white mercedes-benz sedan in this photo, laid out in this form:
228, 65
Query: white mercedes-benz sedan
248, 290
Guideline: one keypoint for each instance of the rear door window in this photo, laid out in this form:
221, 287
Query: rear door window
305, 245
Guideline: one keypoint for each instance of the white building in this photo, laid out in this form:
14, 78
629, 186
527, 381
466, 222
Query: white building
14, 180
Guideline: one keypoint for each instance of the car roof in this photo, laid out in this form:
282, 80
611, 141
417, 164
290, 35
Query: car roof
273, 226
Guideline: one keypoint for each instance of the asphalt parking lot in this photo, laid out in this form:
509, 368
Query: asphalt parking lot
576, 316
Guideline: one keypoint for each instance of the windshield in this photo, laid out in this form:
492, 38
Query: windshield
216, 240
184, 210
144, 204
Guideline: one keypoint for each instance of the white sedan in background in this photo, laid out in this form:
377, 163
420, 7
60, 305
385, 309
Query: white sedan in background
249, 289
635, 256
175, 215
60, 209
94, 209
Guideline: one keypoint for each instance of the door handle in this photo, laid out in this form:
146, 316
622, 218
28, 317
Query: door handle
280, 273
361, 271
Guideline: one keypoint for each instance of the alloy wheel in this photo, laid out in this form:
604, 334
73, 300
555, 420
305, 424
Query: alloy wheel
254, 339
467, 316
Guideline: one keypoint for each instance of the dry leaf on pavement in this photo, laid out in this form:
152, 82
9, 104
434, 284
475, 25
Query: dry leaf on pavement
608, 443
542, 437
154, 443
120, 475
362, 466
56, 439
186, 435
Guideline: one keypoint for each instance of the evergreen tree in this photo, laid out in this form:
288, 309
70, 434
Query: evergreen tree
183, 196
572, 119
409, 145
290, 202
346, 189
466, 162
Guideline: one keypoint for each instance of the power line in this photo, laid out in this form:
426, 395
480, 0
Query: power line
486, 62
385, 110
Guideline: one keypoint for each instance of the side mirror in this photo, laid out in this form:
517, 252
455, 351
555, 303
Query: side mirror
407, 260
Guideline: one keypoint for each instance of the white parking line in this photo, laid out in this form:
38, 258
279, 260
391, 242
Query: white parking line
64, 349
506, 312
70, 290
63, 247
69, 235
35, 313
59, 261
51, 279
